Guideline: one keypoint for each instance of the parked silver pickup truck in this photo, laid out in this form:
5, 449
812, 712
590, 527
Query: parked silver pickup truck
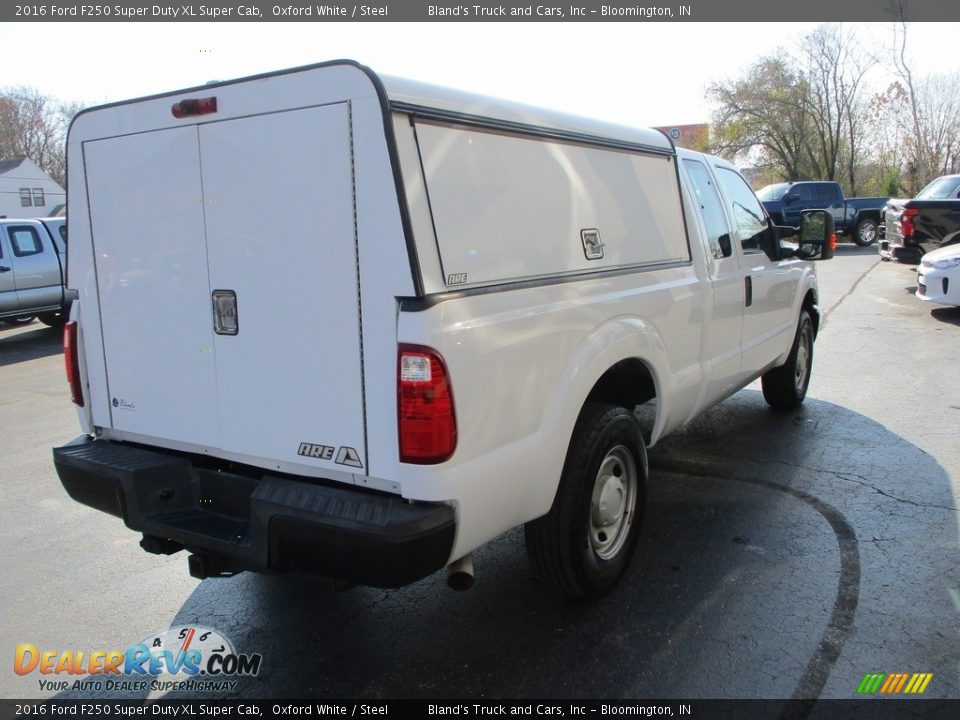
33, 260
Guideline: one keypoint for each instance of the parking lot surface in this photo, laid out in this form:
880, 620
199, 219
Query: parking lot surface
782, 555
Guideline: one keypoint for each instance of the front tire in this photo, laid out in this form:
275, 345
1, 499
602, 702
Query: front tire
22, 320
785, 387
582, 545
866, 232
53, 319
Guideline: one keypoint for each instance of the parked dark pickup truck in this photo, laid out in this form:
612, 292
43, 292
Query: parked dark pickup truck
929, 221
858, 218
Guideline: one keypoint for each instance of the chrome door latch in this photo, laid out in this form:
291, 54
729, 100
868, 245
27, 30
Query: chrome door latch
225, 318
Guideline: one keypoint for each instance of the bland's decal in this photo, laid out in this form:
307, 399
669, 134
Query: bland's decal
344, 456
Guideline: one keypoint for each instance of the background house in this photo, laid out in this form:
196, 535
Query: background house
27, 191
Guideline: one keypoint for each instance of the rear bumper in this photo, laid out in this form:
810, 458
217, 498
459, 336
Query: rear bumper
233, 522
890, 250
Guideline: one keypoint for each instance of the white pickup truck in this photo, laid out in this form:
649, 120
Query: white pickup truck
363, 325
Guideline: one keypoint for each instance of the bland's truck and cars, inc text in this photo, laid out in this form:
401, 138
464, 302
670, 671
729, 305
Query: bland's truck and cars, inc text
442, 334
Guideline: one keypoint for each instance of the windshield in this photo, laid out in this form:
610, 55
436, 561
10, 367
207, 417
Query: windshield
940, 189
772, 192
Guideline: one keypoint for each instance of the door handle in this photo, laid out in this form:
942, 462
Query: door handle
225, 318
748, 281
4, 268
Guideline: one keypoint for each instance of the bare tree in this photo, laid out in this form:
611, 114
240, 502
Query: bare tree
836, 68
934, 111
765, 115
35, 126
803, 115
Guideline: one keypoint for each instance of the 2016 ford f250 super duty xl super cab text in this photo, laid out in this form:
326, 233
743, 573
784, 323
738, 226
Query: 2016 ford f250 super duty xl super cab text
366, 325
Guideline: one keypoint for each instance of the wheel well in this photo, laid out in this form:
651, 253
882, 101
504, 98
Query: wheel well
810, 305
630, 384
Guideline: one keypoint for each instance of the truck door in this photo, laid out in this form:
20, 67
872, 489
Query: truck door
226, 260
828, 196
146, 211
278, 201
724, 322
769, 285
36, 269
8, 287
800, 197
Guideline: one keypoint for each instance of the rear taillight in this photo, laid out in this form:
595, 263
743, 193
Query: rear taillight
71, 362
426, 421
906, 221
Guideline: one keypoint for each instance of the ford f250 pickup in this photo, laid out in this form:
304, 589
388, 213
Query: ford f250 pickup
442, 334
855, 217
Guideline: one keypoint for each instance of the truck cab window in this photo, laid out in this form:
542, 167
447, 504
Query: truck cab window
25, 241
748, 213
800, 193
718, 234
829, 193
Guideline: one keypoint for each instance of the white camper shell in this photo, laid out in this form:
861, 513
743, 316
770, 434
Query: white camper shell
355, 325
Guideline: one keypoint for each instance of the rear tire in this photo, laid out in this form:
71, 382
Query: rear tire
785, 387
866, 232
582, 545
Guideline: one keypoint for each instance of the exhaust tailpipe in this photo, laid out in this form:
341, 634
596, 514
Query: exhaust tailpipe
460, 573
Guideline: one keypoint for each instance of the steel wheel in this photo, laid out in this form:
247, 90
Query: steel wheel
785, 387
581, 547
613, 504
801, 370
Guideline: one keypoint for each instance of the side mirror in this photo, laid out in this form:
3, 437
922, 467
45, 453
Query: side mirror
817, 237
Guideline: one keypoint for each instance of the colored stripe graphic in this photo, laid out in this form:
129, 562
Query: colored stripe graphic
871, 683
894, 683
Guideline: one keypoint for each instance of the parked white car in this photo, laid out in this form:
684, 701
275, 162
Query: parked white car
938, 276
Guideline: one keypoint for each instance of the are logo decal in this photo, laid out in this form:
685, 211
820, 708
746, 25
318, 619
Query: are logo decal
344, 455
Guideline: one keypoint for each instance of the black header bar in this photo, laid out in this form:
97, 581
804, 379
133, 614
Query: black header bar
557, 11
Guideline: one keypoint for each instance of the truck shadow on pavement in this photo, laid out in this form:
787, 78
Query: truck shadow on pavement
849, 248
20, 344
949, 315
770, 540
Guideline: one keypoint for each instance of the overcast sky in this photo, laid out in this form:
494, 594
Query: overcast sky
630, 73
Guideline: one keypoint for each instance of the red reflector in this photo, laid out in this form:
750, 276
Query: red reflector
194, 106
906, 221
427, 424
71, 362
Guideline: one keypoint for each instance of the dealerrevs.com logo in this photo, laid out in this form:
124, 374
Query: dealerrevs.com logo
181, 658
